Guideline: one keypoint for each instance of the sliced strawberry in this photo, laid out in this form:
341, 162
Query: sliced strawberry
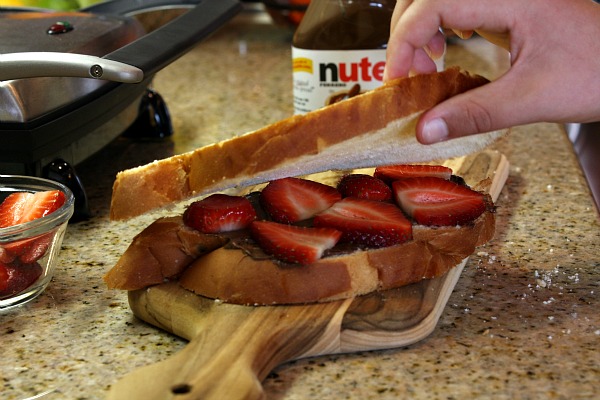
14, 278
21, 207
37, 248
436, 201
6, 256
294, 244
364, 187
366, 222
13, 207
394, 172
290, 200
26, 250
219, 213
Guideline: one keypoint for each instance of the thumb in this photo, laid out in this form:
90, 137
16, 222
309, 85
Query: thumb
495, 105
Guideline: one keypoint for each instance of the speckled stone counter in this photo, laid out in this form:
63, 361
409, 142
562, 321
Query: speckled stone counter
522, 323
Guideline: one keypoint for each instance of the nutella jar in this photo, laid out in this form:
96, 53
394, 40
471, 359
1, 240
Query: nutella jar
339, 50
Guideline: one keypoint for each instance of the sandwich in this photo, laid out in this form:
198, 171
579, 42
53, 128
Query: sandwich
301, 237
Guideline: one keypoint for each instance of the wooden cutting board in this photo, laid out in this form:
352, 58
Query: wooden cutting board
232, 348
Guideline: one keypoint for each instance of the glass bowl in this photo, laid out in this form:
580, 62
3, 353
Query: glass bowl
24, 277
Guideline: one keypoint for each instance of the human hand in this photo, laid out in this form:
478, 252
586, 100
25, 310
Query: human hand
554, 73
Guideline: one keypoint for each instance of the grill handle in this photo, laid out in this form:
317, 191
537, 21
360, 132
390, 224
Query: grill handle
37, 64
136, 60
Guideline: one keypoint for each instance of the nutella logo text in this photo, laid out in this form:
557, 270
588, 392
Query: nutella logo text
364, 70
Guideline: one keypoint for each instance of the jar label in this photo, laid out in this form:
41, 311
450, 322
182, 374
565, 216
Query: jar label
322, 77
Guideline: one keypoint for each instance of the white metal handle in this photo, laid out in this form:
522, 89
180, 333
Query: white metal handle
38, 64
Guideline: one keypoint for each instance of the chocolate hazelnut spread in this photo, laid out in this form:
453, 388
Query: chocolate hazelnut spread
242, 240
339, 50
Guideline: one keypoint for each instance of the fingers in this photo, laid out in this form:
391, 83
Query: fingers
436, 47
399, 61
393, 69
419, 24
399, 9
552, 77
490, 107
422, 63
422, 59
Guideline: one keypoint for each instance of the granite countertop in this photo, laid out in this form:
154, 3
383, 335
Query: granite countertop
523, 321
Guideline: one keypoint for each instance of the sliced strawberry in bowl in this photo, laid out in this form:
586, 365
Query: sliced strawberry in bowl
13, 207
6, 256
26, 250
364, 187
37, 248
294, 244
291, 200
34, 215
392, 173
21, 207
219, 213
437, 201
367, 222
14, 278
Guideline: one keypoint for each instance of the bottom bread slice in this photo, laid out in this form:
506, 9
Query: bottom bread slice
231, 275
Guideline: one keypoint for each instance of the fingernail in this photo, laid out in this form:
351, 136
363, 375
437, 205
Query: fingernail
463, 34
435, 131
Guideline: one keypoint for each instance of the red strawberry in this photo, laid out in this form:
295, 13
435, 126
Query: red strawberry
21, 207
4, 276
436, 201
37, 248
367, 222
364, 187
219, 213
290, 200
294, 244
26, 250
17, 277
6, 256
394, 172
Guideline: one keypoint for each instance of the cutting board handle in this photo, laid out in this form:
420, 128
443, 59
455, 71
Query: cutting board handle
231, 349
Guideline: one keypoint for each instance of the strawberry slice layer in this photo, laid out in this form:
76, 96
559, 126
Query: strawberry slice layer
364, 187
21, 207
366, 222
293, 244
219, 213
437, 201
290, 200
394, 172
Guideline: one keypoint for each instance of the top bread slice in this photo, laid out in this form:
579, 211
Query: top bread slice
371, 129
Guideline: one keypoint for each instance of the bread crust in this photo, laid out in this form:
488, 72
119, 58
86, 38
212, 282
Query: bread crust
160, 253
374, 128
233, 276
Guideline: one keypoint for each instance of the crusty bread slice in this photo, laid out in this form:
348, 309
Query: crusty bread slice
372, 129
158, 253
